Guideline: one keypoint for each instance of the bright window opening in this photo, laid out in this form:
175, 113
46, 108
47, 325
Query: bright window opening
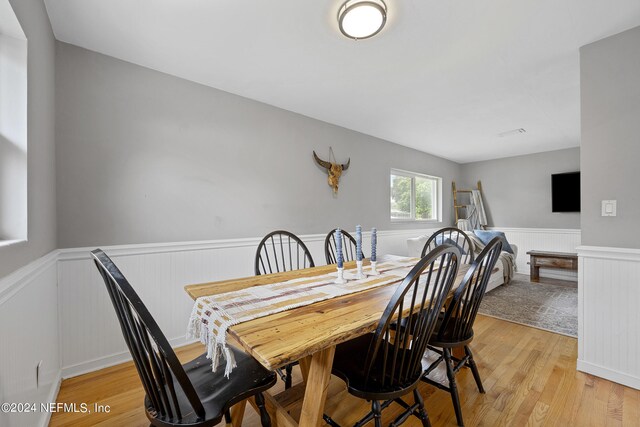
13, 127
415, 197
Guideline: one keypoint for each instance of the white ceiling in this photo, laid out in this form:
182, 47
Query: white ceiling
445, 77
9, 25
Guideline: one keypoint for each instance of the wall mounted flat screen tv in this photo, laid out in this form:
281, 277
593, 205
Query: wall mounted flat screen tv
565, 192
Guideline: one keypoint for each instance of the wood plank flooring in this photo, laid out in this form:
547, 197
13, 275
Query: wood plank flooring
530, 377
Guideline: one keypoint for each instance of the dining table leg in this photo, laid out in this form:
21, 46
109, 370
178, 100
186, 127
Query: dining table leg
316, 387
458, 352
305, 364
237, 413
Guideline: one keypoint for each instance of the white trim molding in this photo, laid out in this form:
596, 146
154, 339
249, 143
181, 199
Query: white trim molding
601, 252
11, 284
69, 254
608, 315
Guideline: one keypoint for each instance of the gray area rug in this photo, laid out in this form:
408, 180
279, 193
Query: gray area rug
541, 305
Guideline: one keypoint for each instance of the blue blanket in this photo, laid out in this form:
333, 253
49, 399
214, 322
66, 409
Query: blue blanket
487, 235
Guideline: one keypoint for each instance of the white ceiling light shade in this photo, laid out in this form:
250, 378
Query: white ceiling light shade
361, 19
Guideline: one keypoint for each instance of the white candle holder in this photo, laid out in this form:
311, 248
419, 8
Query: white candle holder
359, 273
374, 271
340, 280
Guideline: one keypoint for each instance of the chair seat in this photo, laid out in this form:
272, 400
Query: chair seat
349, 364
403, 323
216, 392
446, 338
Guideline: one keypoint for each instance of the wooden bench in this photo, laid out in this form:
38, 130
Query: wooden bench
559, 260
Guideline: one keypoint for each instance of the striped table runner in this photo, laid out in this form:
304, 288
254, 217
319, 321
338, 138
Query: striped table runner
212, 315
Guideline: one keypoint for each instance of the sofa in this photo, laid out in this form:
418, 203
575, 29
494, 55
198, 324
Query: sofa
503, 272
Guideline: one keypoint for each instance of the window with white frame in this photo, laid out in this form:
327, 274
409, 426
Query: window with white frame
13, 127
415, 196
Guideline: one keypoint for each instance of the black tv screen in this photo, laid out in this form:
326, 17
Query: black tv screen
565, 192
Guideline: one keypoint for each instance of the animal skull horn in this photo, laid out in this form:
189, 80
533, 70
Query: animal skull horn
334, 170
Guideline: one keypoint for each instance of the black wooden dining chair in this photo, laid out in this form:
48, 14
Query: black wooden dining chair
281, 251
386, 365
179, 395
452, 236
348, 247
456, 326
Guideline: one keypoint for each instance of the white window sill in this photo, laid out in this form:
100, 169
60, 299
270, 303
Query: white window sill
4, 243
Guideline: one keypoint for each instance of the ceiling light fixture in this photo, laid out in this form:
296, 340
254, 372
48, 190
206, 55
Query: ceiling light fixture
361, 19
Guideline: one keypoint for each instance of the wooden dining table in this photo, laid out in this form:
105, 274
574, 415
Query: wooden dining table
308, 334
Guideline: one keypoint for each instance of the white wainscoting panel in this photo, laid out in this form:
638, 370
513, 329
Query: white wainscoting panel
542, 239
91, 338
28, 335
608, 314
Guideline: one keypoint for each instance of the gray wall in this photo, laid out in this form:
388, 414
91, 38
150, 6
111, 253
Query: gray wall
517, 190
41, 196
147, 157
610, 88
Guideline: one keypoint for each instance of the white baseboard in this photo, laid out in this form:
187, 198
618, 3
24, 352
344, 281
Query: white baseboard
609, 374
110, 360
52, 398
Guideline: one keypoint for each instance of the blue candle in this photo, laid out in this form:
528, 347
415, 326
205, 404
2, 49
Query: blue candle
358, 243
374, 243
339, 258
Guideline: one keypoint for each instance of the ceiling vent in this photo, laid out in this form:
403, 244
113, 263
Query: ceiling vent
512, 132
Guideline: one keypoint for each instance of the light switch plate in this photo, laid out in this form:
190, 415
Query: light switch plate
609, 207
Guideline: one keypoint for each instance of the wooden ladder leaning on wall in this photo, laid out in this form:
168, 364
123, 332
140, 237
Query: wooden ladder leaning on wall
456, 203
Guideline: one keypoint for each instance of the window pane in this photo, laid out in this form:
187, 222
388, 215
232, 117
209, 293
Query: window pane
400, 197
425, 197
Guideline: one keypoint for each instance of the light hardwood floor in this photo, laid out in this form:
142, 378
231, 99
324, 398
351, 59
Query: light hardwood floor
530, 377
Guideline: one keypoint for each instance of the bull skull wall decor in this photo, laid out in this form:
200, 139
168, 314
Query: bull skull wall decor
333, 169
